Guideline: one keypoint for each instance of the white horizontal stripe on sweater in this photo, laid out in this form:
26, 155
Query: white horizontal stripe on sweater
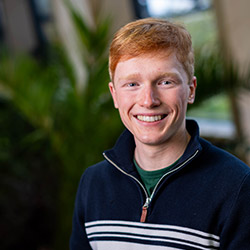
149, 234
114, 245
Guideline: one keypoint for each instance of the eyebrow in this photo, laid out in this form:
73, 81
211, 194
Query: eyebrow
129, 77
170, 74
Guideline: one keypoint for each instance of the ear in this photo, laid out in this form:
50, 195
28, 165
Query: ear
113, 93
192, 89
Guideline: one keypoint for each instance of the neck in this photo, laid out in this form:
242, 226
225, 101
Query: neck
154, 157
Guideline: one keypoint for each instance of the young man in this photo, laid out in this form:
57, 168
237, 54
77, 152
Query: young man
161, 186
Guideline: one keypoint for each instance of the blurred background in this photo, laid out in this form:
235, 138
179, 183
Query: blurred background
56, 113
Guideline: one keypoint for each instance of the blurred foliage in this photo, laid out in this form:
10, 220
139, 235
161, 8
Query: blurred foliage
210, 73
216, 107
215, 75
197, 23
77, 123
52, 128
217, 78
28, 173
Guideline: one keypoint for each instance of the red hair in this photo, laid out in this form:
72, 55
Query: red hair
151, 35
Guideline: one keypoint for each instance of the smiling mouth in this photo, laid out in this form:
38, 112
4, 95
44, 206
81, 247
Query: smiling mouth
151, 118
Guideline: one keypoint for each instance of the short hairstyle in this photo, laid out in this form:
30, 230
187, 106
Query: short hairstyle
151, 35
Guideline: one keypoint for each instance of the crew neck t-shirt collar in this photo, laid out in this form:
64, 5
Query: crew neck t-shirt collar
150, 178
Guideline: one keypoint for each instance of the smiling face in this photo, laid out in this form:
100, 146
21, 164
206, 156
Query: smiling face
151, 93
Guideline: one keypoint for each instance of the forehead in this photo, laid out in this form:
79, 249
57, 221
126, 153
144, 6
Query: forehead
148, 64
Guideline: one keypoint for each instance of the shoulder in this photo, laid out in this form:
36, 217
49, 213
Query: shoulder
223, 163
96, 170
100, 173
92, 179
220, 155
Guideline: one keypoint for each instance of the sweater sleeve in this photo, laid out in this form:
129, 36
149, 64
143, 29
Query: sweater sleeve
236, 231
78, 239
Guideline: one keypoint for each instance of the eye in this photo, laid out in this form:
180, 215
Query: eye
165, 82
132, 84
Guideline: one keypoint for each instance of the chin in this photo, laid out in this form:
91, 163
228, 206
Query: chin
149, 140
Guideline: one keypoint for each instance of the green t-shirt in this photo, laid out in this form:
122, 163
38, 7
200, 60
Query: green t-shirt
150, 178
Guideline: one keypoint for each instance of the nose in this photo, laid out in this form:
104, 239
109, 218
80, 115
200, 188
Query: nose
148, 97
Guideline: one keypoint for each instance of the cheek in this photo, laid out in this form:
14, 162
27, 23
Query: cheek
184, 95
179, 100
179, 96
123, 102
120, 100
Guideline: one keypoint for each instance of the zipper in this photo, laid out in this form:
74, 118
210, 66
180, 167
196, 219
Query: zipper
148, 199
106, 157
145, 209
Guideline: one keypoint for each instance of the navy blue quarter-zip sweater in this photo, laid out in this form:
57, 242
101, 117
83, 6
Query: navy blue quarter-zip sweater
204, 203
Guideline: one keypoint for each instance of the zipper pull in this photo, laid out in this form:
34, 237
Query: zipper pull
145, 210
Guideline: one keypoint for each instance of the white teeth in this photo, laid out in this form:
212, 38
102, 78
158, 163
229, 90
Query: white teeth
149, 118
